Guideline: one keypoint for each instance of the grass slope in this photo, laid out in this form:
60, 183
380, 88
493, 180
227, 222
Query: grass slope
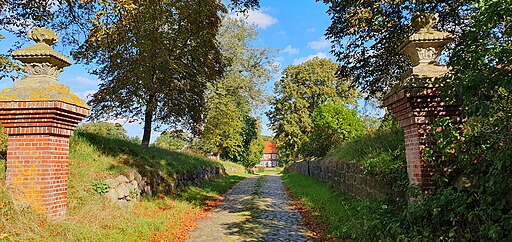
381, 154
93, 158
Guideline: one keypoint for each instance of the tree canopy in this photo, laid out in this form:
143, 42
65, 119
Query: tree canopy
365, 36
234, 98
333, 124
160, 52
155, 61
298, 93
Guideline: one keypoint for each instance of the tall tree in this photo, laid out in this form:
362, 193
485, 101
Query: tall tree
155, 59
298, 93
252, 142
70, 18
240, 92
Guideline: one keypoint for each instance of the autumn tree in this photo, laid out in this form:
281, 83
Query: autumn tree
234, 98
298, 93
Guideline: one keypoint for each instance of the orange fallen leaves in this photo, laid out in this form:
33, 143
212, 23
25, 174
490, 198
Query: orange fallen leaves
187, 222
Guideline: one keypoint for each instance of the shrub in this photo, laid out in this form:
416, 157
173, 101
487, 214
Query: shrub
115, 131
381, 153
333, 124
172, 140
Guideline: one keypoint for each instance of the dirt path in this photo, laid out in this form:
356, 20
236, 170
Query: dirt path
257, 209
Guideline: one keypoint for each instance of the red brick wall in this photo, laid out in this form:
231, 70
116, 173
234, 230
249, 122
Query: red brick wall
416, 109
37, 170
38, 152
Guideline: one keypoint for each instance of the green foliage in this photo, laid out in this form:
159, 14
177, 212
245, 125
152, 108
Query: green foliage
100, 187
333, 124
473, 201
253, 144
298, 93
147, 73
381, 154
172, 140
267, 138
114, 131
224, 123
344, 217
366, 36
229, 130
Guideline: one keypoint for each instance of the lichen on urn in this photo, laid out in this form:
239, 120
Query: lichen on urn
44, 65
425, 46
43, 35
424, 21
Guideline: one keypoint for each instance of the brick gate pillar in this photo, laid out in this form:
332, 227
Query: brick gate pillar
415, 100
39, 115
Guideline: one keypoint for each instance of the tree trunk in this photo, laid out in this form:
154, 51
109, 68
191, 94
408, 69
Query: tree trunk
148, 120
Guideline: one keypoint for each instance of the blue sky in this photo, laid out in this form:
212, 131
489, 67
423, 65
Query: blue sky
296, 28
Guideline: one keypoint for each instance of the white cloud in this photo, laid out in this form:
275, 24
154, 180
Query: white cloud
258, 18
319, 44
86, 95
86, 81
301, 60
311, 30
290, 50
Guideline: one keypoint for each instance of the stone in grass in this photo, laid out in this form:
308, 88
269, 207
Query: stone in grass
112, 196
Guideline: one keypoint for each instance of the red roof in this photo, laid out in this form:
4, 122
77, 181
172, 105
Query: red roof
270, 147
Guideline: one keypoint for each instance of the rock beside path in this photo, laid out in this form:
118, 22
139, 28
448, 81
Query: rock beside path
256, 209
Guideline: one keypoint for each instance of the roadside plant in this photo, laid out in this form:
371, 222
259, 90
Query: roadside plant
100, 187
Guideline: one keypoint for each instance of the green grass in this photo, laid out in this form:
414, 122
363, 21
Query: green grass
381, 154
233, 168
343, 217
89, 218
267, 172
373, 145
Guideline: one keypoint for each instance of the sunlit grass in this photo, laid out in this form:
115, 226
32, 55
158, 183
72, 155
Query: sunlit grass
342, 216
90, 218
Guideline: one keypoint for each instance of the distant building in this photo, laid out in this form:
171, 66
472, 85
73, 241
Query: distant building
269, 158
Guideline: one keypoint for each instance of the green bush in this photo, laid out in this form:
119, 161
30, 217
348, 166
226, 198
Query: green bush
172, 140
115, 131
333, 124
381, 153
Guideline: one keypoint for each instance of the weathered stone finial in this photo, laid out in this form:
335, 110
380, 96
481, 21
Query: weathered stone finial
44, 65
424, 21
424, 47
43, 35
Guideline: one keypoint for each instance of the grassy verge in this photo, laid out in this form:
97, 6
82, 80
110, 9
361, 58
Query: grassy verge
380, 153
339, 215
89, 218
